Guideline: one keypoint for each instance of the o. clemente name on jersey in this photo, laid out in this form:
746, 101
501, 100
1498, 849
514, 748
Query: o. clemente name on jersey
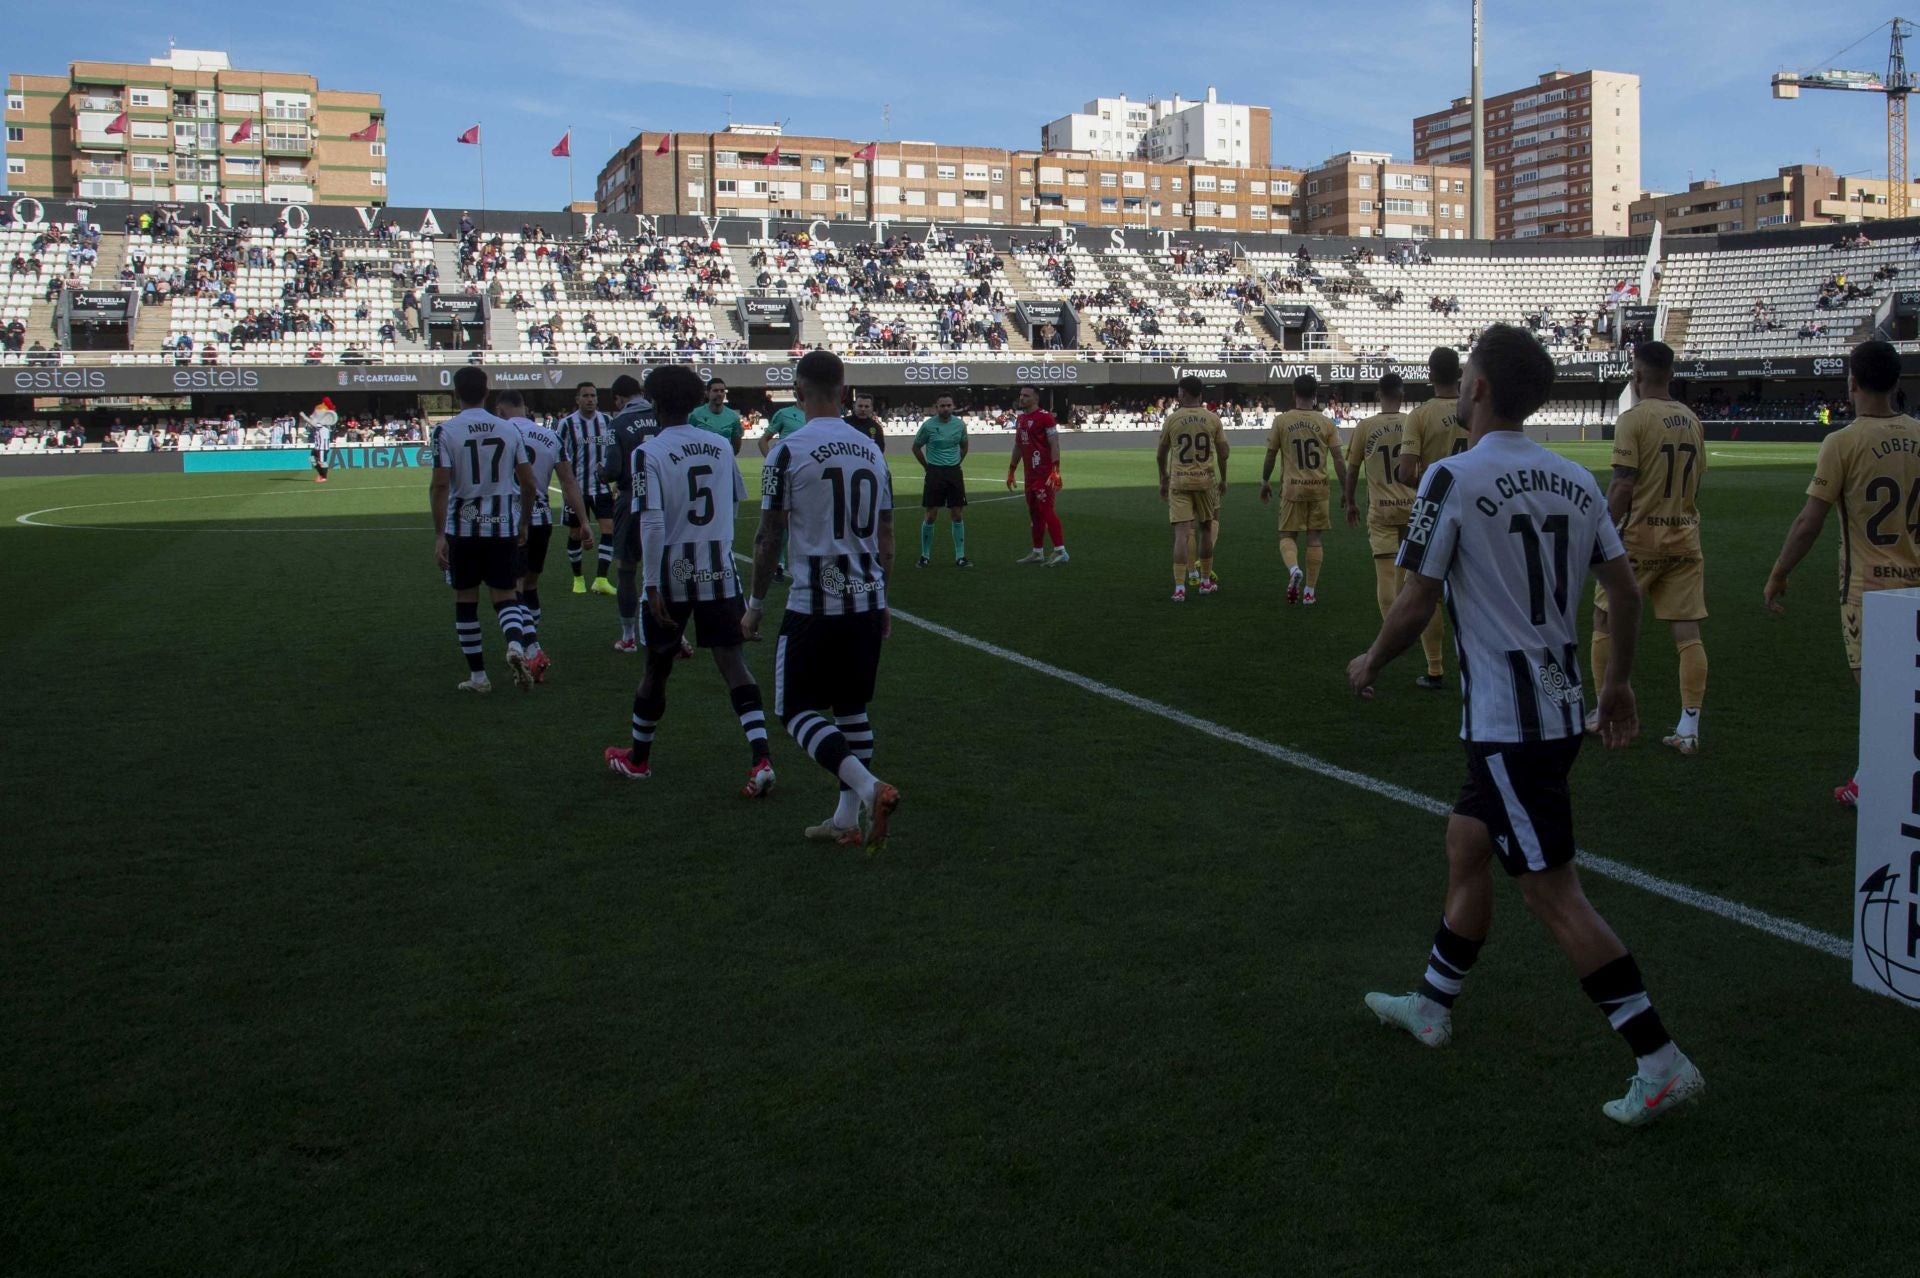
1515, 482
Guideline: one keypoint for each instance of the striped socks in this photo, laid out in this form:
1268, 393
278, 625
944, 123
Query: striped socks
466, 627
646, 717
858, 730
510, 615
1448, 963
1617, 989
753, 718
828, 748
606, 555
574, 555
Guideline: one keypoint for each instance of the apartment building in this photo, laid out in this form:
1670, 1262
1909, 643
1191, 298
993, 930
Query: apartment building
1167, 130
190, 127
1796, 196
751, 171
1369, 195
1564, 153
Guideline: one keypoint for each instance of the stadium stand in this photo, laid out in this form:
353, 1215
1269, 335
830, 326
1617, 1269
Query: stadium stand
33, 260
1782, 299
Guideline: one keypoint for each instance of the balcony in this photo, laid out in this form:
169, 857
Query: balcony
287, 143
91, 102
101, 168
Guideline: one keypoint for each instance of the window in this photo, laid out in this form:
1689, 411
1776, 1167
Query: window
1109, 204
817, 191
151, 130
150, 163
999, 175
1176, 186
727, 186
842, 192
729, 159
816, 165
15, 167
695, 190
1203, 208
378, 177
240, 103
144, 98
1313, 187
1133, 181
1110, 180
693, 161
784, 190
1076, 178
1459, 187
16, 102
288, 106
378, 150
1229, 185
1283, 187
1203, 182
1176, 208
946, 199
976, 172
917, 171
1077, 205
1366, 182
1153, 183
243, 166
1422, 183
16, 134
916, 197
1256, 187
886, 194
1229, 210
1026, 178
1258, 212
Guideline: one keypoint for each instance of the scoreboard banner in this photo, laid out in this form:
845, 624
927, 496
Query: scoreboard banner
219, 381
1886, 866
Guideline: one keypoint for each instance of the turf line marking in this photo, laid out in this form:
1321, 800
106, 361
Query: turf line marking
1606, 867
31, 518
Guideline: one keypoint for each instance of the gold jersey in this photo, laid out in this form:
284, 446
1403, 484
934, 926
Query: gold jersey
1870, 469
1193, 440
1662, 440
1434, 430
1304, 440
1373, 451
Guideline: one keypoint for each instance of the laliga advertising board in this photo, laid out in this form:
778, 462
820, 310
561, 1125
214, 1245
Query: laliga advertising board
1886, 930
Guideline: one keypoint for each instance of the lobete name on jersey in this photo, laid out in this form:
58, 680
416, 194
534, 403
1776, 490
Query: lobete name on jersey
1515, 482
1897, 444
844, 448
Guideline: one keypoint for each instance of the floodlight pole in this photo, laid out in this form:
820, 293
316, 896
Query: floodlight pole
1477, 219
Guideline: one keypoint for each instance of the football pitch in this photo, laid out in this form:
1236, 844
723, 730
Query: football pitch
312, 964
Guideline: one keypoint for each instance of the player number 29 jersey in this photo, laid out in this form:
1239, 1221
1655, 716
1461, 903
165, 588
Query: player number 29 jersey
1512, 529
688, 490
1192, 436
480, 452
835, 487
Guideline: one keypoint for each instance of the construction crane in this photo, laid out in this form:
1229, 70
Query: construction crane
1896, 85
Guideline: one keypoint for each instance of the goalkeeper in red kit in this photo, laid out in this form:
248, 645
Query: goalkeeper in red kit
1036, 445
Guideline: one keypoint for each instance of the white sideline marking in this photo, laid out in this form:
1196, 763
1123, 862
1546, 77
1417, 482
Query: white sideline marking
1759, 920
32, 518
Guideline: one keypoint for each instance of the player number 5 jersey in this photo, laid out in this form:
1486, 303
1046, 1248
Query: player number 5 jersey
687, 491
832, 483
1512, 530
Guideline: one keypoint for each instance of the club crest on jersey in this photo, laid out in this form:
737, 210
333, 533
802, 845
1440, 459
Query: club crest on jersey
1420, 520
682, 570
1560, 689
770, 482
832, 580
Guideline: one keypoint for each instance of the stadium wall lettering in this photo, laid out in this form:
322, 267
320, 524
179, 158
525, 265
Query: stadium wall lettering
266, 380
350, 458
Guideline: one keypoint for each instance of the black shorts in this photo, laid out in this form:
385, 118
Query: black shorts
825, 663
716, 624
1520, 791
533, 555
946, 486
626, 535
602, 505
492, 561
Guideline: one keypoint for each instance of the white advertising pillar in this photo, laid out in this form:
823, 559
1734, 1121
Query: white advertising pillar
1886, 903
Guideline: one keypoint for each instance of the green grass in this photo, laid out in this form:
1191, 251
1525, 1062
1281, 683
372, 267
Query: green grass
311, 965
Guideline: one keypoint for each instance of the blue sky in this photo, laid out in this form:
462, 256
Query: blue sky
990, 72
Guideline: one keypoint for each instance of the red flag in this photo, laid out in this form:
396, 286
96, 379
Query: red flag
772, 157
119, 124
242, 133
565, 145
471, 137
666, 144
369, 134
867, 152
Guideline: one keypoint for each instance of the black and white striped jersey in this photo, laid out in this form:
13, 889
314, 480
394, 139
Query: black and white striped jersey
585, 443
834, 486
542, 450
687, 493
480, 451
322, 437
1512, 530
631, 427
